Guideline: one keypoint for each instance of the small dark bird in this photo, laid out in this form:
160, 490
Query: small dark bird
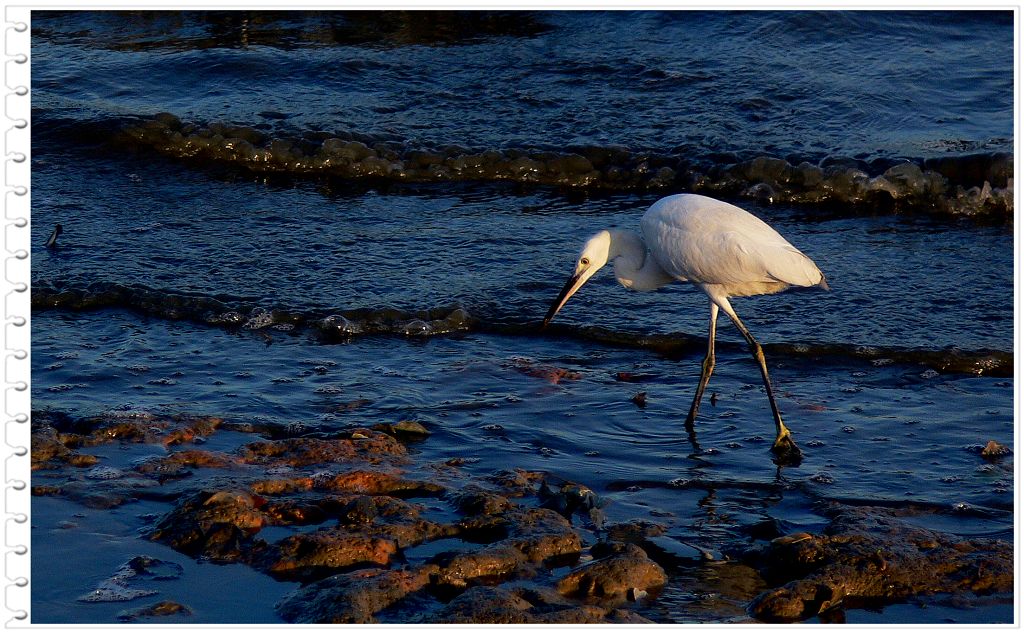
52, 242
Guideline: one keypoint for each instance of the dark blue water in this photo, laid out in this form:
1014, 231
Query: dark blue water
871, 83
891, 382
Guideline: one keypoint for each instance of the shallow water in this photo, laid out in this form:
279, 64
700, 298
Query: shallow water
871, 434
193, 286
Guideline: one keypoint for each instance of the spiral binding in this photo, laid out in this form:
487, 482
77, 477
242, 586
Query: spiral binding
16, 316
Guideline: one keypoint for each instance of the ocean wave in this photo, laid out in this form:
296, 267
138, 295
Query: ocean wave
979, 184
341, 325
244, 314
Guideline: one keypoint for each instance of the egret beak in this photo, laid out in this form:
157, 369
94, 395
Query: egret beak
573, 285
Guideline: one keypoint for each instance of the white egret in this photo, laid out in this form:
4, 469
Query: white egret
719, 248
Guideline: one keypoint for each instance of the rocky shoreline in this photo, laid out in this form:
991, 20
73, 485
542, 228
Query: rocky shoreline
374, 535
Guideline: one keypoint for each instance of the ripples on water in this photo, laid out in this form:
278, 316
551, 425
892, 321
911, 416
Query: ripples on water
855, 83
188, 283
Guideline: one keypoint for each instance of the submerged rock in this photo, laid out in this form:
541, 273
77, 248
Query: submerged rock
124, 584
161, 609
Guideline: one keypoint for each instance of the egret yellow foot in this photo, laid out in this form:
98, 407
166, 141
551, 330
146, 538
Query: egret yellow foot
787, 454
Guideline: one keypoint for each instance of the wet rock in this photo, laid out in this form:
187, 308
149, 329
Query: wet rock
103, 494
49, 450
551, 374
485, 605
370, 446
474, 500
496, 605
635, 530
352, 597
639, 399
193, 429
362, 509
217, 525
145, 566
994, 450
325, 552
145, 428
124, 584
376, 483
503, 605
612, 577
161, 609
567, 497
871, 554
176, 464
534, 536
404, 430
516, 482
410, 533
168, 120
294, 512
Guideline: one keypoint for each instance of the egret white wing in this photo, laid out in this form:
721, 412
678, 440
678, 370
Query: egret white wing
704, 240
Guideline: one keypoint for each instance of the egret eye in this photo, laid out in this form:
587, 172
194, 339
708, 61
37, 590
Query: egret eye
584, 262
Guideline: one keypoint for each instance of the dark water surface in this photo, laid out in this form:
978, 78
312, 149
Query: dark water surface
185, 285
872, 83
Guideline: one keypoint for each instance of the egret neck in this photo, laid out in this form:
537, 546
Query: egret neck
635, 267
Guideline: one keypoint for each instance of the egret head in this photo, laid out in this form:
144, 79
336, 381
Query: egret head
594, 255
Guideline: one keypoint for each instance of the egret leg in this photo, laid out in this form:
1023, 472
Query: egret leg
785, 450
707, 367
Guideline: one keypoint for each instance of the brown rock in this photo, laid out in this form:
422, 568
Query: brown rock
327, 551
410, 533
484, 604
46, 447
516, 482
177, 461
369, 446
474, 500
216, 525
360, 481
163, 608
494, 605
535, 536
994, 450
613, 577
49, 450
869, 553
635, 530
192, 428
76, 459
377, 483
352, 597
404, 430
